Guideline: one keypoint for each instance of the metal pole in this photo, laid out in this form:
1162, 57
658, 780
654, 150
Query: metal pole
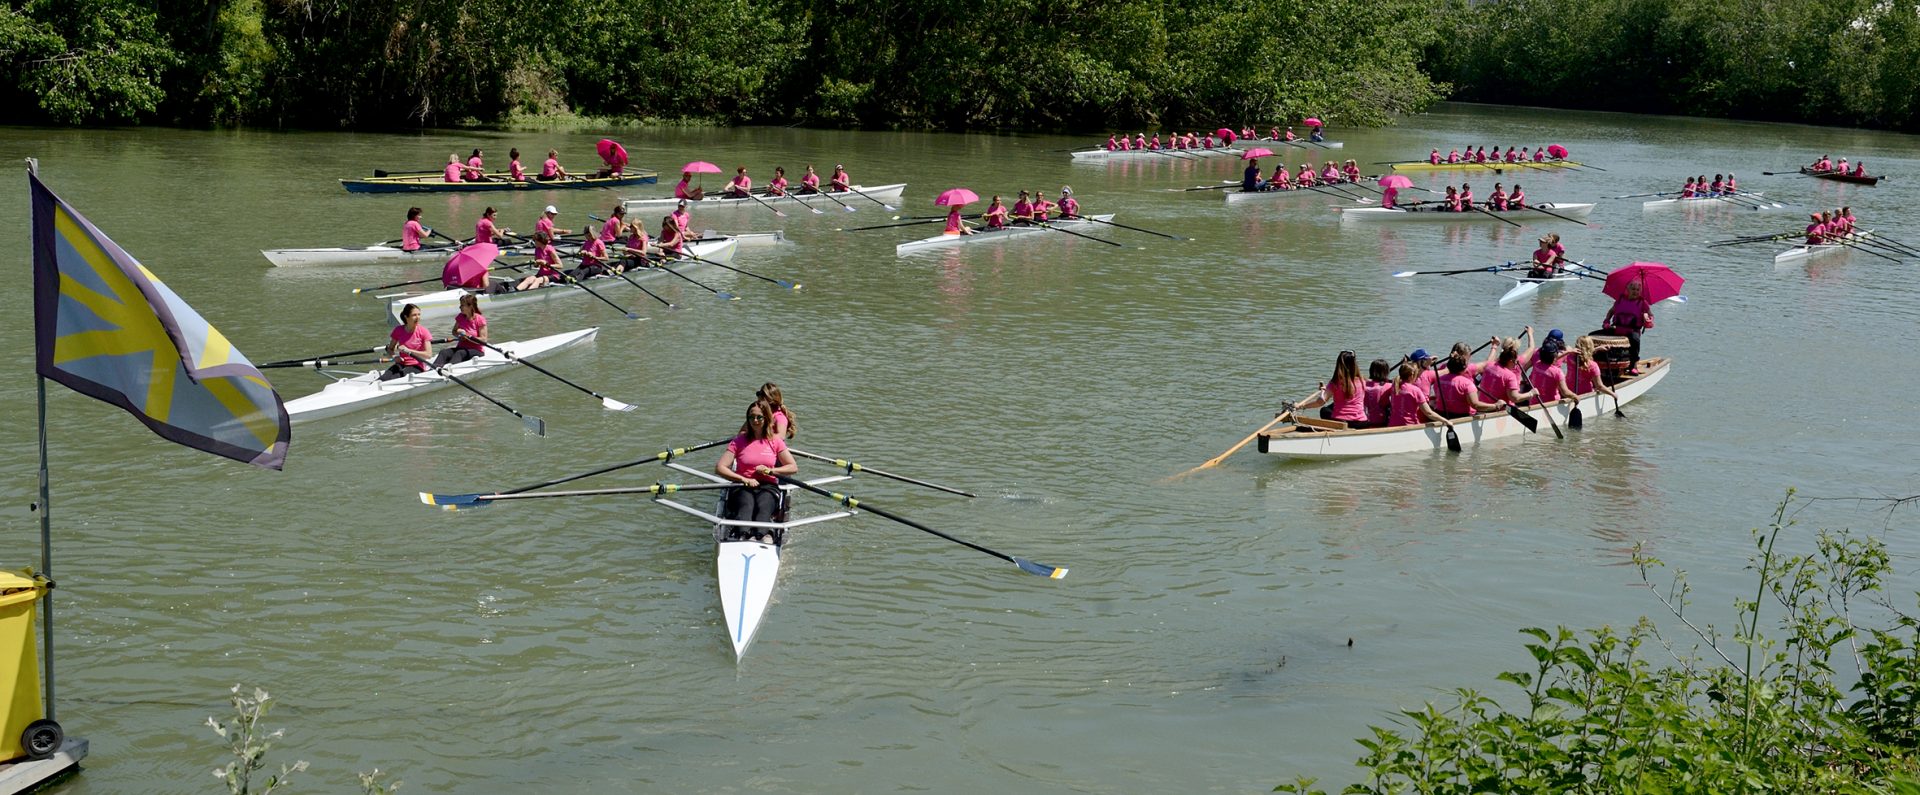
46, 555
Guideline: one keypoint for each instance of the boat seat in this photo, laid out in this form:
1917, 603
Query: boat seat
1316, 423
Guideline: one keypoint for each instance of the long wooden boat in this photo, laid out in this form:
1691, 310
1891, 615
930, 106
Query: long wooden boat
1435, 214
385, 253
1841, 176
745, 568
1308, 442
1804, 253
994, 235
1518, 168
715, 200
439, 304
367, 390
437, 183
1750, 200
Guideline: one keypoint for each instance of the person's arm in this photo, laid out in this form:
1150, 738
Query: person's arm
785, 465
1427, 413
725, 469
1316, 400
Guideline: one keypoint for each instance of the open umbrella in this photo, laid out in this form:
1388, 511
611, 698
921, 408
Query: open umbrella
1557, 151
1395, 181
468, 266
1658, 282
1258, 151
612, 152
1311, 121
955, 197
1225, 134
701, 167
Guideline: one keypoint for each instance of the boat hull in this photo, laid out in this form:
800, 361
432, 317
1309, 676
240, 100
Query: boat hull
715, 201
1236, 196
1517, 168
1804, 254
988, 236
366, 390
1104, 156
441, 304
1707, 201
1401, 215
745, 572
435, 183
1526, 287
1839, 177
383, 254
1295, 442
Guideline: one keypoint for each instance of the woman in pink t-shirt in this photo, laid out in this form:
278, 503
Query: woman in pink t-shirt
1583, 373
413, 234
1457, 396
755, 459
514, 170
1344, 397
783, 421
1630, 316
410, 345
469, 330
742, 185
1407, 401
551, 169
1500, 380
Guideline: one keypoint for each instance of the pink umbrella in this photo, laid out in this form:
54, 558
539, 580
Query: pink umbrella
1226, 134
1311, 122
1395, 181
468, 266
612, 152
1557, 150
701, 167
1258, 151
1658, 282
955, 197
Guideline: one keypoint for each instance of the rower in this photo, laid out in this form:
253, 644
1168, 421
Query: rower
1825, 163
782, 418
1155, 143
1433, 157
1733, 186
453, 169
1540, 155
1456, 396
755, 460
1330, 174
1206, 141
1069, 206
1139, 141
1453, 156
1023, 210
1555, 343
996, 214
673, 238
1498, 199
551, 170
1500, 377
485, 231
1273, 133
593, 260
1583, 373
956, 226
1453, 199
1847, 219
1112, 144
684, 190
412, 234
1466, 197
1375, 391
1407, 401
742, 185
1512, 156
1629, 317
1480, 155
1517, 200
1841, 167
476, 169
1290, 136
410, 345
1549, 382
681, 218
1246, 131
1042, 207
1718, 185
514, 171
840, 182
548, 262
1250, 178
1690, 190
1305, 177
468, 326
1816, 231
1351, 171
778, 187
1280, 180
545, 224
810, 182
636, 242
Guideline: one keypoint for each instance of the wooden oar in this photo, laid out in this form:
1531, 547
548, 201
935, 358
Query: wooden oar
605, 402
456, 500
1538, 208
891, 226
721, 294
1134, 228
1046, 225
1028, 566
1286, 413
890, 208
534, 425
1477, 208
855, 466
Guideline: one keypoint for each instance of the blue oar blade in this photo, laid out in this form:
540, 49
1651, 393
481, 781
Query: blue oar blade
1039, 569
454, 501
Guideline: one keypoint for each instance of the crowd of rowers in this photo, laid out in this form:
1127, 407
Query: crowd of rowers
636, 248
1332, 173
1699, 188
1036, 211
742, 185
1460, 200
1121, 143
1831, 226
1825, 165
1420, 390
474, 168
1522, 155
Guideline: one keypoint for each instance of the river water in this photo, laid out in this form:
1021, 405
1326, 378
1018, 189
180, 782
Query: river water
1217, 633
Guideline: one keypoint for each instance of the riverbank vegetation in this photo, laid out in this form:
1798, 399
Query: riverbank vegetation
1840, 62
1813, 687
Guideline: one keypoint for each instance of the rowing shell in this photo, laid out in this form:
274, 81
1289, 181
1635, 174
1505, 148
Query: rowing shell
1297, 441
437, 183
1237, 196
366, 390
377, 254
1754, 202
717, 200
446, 303
1304, 143
1487, 166
1103, 155
745, 570
1527, 286
991, 235
1435, 214
1804, 253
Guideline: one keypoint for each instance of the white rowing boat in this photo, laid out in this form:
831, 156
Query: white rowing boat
1743, 199
1104, 155
750, 239
718, 200
1805, 253
1302, 143
746, 569
367, 390
441, 304
1308, 442
990, 235
1321, 189
1437, 215
1527, 286
384, 253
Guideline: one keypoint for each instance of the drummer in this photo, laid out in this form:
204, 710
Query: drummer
410, 345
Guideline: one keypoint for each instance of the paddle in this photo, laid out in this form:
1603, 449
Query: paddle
1549, 412
483, 500
1134, 228
1477, 208
1286, 413
854, 466
534, 425
455, 500
891, 226
721, 294
890, 208
1537, 208
605, 402
1045, 225
1532, 425
1028, 566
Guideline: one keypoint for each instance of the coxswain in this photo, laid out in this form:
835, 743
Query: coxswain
547, 265
810, 181
1069, 206
955, 224
1630, 316
1342, 398
469, 330
1453, 156
1433, 157
476, 168
412, 234
610, 231
1453, 199
1407, 401
514, 171
1517, 200
685, 189
1112, 145
1497, 200
1466, 197
1250, 178
1389, 197
485, 231
778, 186
410, 345
545, 224
1022, 210
996, 214
741, 186
1313, 133
1690, 190
1351, 171
551, 170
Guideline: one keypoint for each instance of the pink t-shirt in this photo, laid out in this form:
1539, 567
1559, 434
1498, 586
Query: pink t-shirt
515, 171
1349, 401
1374, 395
637, 240
750, 453
680, 190
681, 218
453, 172
545, 224
1404, 406
464, 327
550, 169
485, 232
419, 339
594, 249
953, 221
1583, 380
780, 423
778, 186
742, 183
1546, 381
1454, 390
811, 181
1498, 384
610, 231
475, 171
411, 235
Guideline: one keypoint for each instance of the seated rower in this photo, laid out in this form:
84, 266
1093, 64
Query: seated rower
1498, 199
1433, 157
681, 218
1583, 372
1375, 391
1351, 171
547, 261
636, 242
476, 168
485, 231
1540, 155
1043, 208
1247, 132
469, 330
1466, 198
1273, 133
1289, 134
1733, 186
1453, 156
453, 171
996, 214
1480, 155
1126, 144
1500, 381
593, 260
1154, 143
1549, 382
810, 182
515, 172
1517, 200
741, 186
1825, 163
1280, 180
1022, 210
1306, 176
412, 234
410, 345
551, 170
1840, 167
610, 231
754, 461
1407, 401
1112, 145
956, 225
778, 186
1512, 156
1331, 173
1717, 187
1139, 140
1456, 396
672, 240
1559, 251
1691, 189
1453, 199
839, 182
1817, 231
686, 190
1847, 219
1069, 206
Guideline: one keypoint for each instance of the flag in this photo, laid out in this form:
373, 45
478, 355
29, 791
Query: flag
106, 327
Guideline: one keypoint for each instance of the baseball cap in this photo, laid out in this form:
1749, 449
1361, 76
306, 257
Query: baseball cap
1419, 354
553, 210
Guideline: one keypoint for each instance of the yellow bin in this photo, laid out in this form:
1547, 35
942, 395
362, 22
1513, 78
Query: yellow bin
23, 730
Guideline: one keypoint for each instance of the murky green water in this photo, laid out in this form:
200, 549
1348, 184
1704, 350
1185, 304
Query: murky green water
1201, 641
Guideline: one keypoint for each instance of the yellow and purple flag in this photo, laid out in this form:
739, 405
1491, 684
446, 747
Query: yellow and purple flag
106, 327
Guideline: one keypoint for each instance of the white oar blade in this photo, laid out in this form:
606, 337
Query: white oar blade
1404, 274
614, 405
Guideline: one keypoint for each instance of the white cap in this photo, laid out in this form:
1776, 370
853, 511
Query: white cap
552, 210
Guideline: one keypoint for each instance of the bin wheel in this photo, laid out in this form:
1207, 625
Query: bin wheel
42, 738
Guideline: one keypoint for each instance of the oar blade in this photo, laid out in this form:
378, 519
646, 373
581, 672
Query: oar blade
1404, 274
1574, 420
614, 405
1040, 569
1453, 440
535, 426
1521, 416
454, 501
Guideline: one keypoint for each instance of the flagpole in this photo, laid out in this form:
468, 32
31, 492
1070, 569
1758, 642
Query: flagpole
46, 526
